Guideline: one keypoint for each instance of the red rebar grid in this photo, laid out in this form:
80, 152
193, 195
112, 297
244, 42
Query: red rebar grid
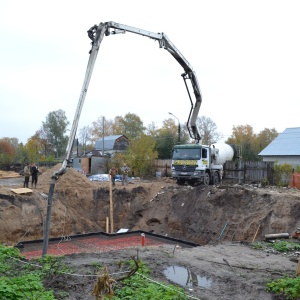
90, 245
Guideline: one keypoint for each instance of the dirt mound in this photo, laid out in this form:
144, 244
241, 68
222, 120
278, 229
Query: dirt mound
79, 205
70, 180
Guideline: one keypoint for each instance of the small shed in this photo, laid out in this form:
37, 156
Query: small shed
96, 161
91, 163
284, 149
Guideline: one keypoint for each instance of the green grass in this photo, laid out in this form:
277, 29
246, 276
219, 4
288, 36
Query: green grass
139, 287
16, 282
289, 287
280, 246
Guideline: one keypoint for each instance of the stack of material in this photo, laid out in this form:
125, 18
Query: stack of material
295, 181
9, 174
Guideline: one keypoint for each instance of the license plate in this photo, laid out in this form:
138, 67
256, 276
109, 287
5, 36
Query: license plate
183, 173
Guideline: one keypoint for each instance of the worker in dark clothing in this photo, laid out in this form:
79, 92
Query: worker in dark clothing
34, 175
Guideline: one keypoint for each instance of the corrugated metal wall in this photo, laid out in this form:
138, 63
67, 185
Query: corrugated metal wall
99, 165
292, 160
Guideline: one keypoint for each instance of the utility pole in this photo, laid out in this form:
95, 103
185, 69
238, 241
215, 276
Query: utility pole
103, 136
77, 147
179, 129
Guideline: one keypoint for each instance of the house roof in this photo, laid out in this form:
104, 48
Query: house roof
287, 143
109, 142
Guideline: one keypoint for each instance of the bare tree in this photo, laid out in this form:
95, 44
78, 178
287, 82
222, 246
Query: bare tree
208, 130
99, 126
84, 136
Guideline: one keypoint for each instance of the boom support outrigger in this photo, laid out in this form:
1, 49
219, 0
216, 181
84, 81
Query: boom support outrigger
96, 34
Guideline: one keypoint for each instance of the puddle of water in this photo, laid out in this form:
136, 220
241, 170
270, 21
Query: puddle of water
186, 278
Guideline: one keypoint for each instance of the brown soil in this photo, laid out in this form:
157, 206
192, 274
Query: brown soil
222, 219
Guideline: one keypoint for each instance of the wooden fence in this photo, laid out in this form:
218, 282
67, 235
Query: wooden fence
249, 171
163, 167
237, 172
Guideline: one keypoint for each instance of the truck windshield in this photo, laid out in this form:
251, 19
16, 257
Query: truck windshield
186, 154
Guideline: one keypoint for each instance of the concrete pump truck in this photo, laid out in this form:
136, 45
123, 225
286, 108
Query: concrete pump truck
179, 163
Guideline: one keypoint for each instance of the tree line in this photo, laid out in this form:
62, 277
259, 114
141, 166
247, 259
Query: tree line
147, 143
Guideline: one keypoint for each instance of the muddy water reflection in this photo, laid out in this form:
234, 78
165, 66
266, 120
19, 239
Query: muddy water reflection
186, 278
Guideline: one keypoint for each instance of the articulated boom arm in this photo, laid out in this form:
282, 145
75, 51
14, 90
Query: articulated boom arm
164, 42
96, 34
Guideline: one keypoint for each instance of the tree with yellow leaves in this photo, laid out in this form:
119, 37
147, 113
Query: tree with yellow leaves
141, 154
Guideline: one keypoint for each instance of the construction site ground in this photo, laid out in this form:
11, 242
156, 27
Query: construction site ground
223, 220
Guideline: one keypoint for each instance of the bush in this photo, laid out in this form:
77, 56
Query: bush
289, 287
264, 182
283, 246
282, 174
16, 282
27, 286
280, 246
297, 169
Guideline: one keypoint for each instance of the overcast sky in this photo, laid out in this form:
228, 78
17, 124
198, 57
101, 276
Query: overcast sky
246, 55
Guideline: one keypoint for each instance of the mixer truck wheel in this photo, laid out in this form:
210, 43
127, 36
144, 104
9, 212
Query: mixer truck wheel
206, 179
216, 178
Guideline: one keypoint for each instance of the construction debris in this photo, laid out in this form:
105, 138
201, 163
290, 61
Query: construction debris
296, 235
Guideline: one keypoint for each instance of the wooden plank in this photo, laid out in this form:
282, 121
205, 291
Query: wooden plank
9, 174
111, 206
21, 191
255, 234
298, 267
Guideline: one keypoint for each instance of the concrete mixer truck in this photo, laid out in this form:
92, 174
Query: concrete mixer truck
200, 164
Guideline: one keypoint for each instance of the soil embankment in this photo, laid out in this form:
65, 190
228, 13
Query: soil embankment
198, 214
